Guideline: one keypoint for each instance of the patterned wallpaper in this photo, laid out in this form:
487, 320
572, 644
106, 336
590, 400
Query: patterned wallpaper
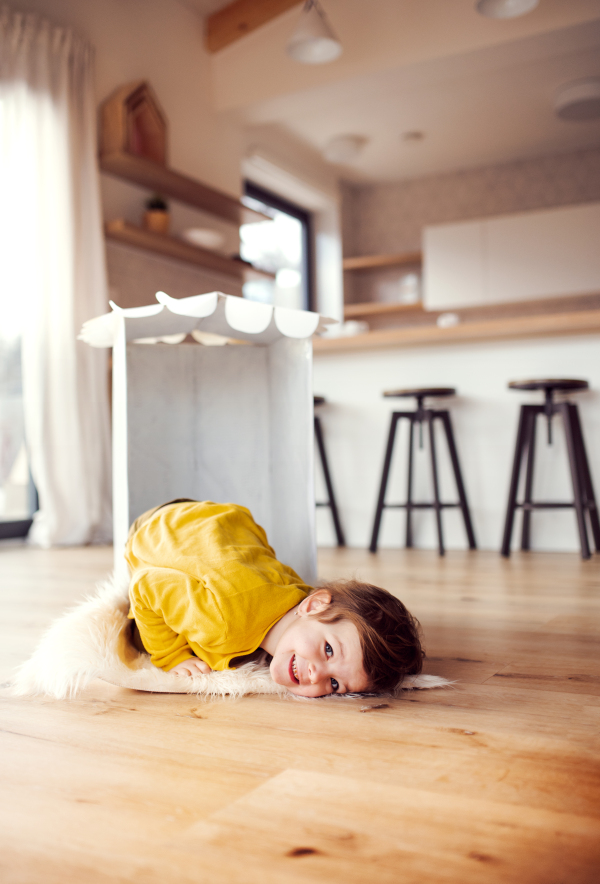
388, 218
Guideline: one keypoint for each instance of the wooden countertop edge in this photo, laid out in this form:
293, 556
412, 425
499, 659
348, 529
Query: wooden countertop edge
576, 322
379, 262
375, 309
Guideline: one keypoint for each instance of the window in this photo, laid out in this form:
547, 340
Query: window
282, 247
17, 495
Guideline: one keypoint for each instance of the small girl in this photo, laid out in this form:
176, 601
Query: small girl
207, 592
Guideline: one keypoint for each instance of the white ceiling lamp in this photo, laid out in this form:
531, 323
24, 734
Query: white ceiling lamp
579, 101
343, 148
505, 8
314, 40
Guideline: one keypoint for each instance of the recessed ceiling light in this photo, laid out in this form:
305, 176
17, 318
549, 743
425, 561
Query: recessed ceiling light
413, 135
344, 148
579, 100
505, 8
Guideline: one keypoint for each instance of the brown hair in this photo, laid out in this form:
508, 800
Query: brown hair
389, 634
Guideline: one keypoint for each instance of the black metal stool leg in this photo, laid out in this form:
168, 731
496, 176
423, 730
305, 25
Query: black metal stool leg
590, 498
462, 495
530, 448
384, 481
409, 542
331, 503
570, 434
514, 481
436, 491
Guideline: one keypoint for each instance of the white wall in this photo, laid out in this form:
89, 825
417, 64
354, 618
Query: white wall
162, 41
135, 277
485, 420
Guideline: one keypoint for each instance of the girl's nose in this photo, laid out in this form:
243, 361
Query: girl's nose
315, 672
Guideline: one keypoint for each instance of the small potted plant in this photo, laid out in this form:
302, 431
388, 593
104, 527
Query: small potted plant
156, 216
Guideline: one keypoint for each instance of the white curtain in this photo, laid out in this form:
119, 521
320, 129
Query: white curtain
52, 271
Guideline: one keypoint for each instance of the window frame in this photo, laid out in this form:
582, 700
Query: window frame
11, 529
273, 200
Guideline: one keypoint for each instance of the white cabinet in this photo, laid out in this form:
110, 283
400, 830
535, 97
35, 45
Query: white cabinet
513, 257
453, 265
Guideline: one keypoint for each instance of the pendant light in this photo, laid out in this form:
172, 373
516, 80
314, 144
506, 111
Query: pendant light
314, 40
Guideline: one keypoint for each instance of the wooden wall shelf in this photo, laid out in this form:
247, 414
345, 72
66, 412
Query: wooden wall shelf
179, 187
574, 322
119, 231
372, 262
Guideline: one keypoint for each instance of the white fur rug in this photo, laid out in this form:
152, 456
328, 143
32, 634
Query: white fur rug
92, 641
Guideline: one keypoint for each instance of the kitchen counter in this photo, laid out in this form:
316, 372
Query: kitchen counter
545, 317
478, 357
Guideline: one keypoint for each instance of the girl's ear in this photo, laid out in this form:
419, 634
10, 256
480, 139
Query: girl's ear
315, 602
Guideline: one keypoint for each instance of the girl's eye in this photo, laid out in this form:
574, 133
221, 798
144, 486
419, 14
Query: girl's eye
334, 685
328, 649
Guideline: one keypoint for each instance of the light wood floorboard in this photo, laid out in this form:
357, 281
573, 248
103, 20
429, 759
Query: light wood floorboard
495, 779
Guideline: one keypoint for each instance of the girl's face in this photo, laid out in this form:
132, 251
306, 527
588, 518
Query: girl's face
313, 658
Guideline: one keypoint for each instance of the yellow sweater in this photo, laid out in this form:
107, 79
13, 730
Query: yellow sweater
205, 582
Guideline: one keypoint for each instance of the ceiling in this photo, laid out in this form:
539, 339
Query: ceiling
481, 91
205, 7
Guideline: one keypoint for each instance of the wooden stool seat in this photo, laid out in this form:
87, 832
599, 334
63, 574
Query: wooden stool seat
584, 500
422, 392
330, 502
420, 416
550, 384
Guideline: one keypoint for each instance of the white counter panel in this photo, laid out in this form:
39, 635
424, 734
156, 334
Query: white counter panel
484, 416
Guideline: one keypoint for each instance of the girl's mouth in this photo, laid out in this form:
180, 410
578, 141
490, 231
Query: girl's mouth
293, 670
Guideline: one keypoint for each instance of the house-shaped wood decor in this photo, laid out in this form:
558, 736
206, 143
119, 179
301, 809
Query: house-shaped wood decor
133, 122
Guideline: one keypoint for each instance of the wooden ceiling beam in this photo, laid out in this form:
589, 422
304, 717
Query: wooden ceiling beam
239, 18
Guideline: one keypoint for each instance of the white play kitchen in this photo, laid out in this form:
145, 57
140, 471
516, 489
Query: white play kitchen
213, 400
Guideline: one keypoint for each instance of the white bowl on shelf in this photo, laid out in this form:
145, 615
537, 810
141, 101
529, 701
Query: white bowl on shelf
204, 237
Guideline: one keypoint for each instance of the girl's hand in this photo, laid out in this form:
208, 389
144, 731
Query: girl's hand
193, 666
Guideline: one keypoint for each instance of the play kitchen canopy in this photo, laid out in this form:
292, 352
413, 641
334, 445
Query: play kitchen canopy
231, 423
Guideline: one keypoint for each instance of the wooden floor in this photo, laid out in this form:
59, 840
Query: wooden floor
496, 779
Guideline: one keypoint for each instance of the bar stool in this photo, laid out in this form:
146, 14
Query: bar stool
583, 491
419, 416
330, 502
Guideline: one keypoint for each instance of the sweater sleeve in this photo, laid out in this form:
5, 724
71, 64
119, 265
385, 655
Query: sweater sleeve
159, 603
